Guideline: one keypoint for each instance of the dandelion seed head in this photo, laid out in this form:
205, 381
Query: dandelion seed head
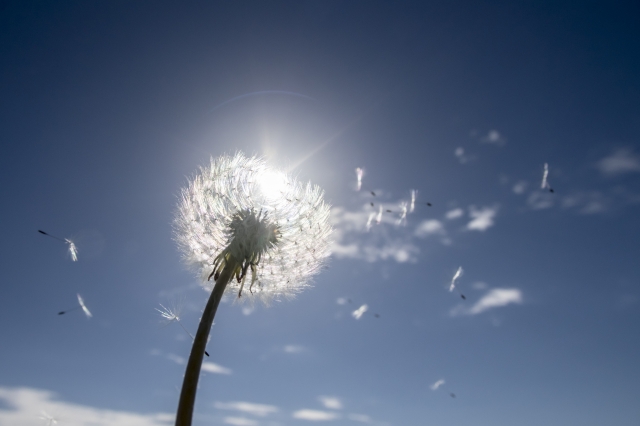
275, 228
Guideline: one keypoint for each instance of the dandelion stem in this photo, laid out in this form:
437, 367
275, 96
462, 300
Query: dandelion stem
192, 374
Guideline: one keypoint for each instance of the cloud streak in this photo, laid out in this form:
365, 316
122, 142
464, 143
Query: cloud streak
20, 405
619, 162
260, 410
495, 298
315, 415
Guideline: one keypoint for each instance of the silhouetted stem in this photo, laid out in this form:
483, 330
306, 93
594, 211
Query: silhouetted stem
192, 374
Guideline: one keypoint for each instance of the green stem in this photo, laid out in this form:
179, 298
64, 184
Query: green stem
192, 374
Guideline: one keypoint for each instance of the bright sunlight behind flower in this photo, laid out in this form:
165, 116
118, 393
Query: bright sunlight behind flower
275, 228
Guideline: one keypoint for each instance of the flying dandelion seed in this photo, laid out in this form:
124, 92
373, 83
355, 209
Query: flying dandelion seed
379, 217
81, 305
357, 314
403, 214
235, 217
73, 250
437, 384
371, 216
412, 207
49, 419
373, 193
440, 383
173, 315
359, 174
457, 275
545, 182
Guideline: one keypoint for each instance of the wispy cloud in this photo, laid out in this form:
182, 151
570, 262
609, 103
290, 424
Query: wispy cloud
481, 219
210, 367
520, 187
621, 161
461, 156
331, 402
454, 214
429, 227
240, 421
315, 415
495, 298
540, 200
19, 406
260, 410
362, 418
494, 137
293, 349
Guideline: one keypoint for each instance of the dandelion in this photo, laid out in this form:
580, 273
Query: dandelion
237, 217
81, 305
357, 314
359, 174
545, 175
457, 275
73, 250
173, 314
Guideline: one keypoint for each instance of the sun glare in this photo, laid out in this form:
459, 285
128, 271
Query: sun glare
273, 184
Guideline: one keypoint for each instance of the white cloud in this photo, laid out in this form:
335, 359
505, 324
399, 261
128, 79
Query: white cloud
454, 214
586, 202
495, 298
520, 187
315, 415
20, 407
331, 402
240, 421
540, 200
482, 219
429, 227
460, 155
177, 359
621, 161
293, 349
494, 137
479, 285
363, 418
210, 367
260, 410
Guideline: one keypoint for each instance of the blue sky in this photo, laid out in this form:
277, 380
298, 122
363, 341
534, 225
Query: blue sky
106, 109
